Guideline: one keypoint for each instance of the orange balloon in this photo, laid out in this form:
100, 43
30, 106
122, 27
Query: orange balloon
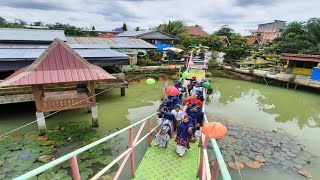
214, 130
172, 67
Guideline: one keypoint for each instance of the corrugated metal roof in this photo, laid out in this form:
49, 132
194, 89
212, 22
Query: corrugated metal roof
129, 43
20, 53
133, 33
35, 53
86, 53
157, 35
149, 34
37, 35
89, 46
115, 43
44, 46
23, 46
58, 64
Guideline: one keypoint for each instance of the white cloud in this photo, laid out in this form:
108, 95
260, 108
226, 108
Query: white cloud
241, 15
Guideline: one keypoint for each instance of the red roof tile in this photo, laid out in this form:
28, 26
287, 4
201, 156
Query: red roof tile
195, 31
57, 64
251, 40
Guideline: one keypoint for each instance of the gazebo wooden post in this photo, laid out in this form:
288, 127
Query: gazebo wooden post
38, 93
123, 91
94, 108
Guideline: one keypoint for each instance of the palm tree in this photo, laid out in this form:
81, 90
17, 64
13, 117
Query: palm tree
174, 28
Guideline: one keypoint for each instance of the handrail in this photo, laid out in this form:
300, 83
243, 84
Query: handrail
222, 165
78, 151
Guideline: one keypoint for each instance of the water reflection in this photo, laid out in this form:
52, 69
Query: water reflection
280, 104
269, 107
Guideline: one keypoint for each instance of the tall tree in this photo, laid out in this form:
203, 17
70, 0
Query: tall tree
225, 30
37, 23
69, 30
313, 29
175, 28
238, 48
213, 41
299, 37
6, 24
93, 28
124, 27
3, 22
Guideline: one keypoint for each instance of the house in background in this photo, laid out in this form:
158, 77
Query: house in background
195, 31
219, 56
160, 39
117, 31
267, 32
301, 63
191, 30
252, 41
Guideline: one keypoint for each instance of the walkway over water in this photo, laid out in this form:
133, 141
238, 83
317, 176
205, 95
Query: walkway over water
158, 162
164, 163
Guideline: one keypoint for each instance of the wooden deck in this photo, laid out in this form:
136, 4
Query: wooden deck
299, 80
24, 94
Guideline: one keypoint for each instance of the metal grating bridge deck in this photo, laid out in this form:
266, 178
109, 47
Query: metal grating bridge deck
166, 164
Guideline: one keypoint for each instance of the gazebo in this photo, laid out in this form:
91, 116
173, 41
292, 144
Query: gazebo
60, 65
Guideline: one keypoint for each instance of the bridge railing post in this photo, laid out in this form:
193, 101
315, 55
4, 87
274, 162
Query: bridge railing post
204, 168
215, 170
149, 131
131, 145
200, 165
74, 168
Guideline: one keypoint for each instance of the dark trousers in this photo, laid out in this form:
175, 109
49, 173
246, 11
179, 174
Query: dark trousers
176, 125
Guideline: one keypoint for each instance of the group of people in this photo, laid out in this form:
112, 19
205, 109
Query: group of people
185, 122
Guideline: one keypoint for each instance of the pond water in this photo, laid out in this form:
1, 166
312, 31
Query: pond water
256, 105
115, 112
270, 108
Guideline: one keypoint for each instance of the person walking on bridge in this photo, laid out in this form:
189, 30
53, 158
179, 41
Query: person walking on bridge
164, 134
178, 116
182, 139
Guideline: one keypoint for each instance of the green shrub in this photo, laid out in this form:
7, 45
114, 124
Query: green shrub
148, 62
208, 74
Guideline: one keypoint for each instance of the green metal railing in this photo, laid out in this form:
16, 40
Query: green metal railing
73, 154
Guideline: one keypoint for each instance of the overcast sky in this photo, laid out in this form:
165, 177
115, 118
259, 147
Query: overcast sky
242, 15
